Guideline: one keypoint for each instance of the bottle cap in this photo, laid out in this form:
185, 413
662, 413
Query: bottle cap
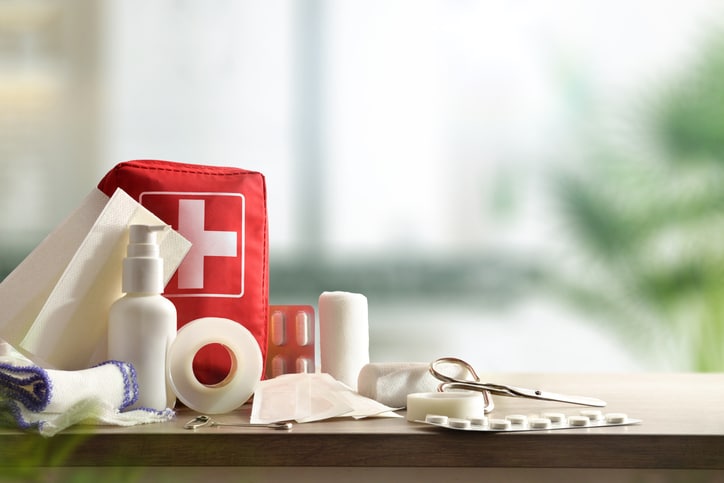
143, 266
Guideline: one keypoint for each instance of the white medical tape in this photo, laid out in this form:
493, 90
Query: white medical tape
455, 404
239, 384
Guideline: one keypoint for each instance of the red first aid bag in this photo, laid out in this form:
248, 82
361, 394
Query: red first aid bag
222, 212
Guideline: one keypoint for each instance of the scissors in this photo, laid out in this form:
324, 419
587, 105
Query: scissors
487, 389
203, 420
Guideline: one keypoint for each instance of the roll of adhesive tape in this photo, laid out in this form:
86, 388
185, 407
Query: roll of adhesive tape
239, 384
457, 404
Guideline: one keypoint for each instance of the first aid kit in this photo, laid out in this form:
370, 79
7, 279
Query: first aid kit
222, 212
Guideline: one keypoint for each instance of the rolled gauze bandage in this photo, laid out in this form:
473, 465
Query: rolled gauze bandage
454, 404
390, 382
343, 335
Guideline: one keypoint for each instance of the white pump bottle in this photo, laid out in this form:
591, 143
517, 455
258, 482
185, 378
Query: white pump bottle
142, 323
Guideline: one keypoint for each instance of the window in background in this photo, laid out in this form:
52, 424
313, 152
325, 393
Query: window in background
48, 116
413, 150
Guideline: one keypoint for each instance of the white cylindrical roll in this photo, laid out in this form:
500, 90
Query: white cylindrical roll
239, 384
456, 404
390, 382
343, 335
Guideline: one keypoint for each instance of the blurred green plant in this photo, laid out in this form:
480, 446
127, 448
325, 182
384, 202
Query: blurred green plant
648, 215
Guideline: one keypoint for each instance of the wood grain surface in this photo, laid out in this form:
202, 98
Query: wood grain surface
683, 427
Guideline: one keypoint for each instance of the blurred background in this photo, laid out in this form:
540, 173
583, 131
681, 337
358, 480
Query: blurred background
531, 186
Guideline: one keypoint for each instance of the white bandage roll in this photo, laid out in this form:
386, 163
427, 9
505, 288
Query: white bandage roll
390, 382
343, 335
455, 404
239, 384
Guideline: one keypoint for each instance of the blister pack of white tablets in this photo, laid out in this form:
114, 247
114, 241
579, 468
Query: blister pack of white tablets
290, 347
587, 418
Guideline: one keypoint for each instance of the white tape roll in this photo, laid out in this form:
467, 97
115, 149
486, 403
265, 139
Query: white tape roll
239, 384
465, 405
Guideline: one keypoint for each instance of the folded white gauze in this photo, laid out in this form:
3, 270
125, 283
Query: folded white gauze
52, 400
307, 397
390, 382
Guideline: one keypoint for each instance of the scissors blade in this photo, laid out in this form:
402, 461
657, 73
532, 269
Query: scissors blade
552, 396
512, 391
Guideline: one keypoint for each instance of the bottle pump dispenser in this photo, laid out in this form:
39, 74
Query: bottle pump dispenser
143, 266
142, 323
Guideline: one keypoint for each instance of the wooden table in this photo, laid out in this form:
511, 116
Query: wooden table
683, 428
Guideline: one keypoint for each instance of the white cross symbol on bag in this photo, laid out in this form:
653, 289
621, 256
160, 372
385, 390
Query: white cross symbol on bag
191, 225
